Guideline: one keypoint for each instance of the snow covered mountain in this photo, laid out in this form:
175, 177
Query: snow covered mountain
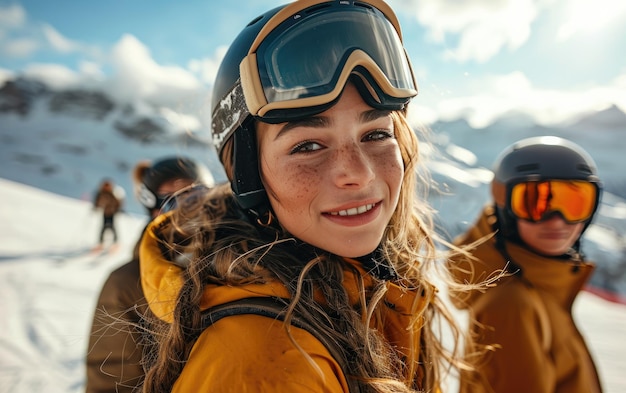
66, 141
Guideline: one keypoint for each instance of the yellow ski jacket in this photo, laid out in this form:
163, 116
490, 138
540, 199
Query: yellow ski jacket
252, 353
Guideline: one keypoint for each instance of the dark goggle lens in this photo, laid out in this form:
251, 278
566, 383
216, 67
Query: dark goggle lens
305, 56
184, 197
536, 200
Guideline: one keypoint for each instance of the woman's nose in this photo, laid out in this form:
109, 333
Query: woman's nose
352, 167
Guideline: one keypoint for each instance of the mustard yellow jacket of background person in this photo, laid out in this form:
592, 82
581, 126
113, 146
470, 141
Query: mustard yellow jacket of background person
529, 317
251, 353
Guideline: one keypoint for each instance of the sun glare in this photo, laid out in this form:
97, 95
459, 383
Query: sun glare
590, 16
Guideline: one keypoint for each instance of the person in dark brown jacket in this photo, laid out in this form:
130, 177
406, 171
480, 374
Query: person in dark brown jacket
114, 352
109, 199
545, 192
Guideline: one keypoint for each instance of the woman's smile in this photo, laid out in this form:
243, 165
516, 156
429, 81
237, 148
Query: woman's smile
355, 216
353, 211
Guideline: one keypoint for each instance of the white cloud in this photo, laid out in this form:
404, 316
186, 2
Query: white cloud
21, 39
19, 48
91, 69
620, 81
136, 75
515, 93
180, 121
206, 68
58, 41
54, 75
5, 75
13, 24
60, 77
480, 28
12, 16
586, 16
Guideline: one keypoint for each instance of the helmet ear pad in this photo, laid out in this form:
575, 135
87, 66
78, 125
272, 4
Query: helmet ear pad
246, 182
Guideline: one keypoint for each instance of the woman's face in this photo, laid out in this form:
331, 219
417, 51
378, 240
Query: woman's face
334, 179
551, 237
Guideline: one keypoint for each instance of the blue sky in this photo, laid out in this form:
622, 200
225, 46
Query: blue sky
477, 59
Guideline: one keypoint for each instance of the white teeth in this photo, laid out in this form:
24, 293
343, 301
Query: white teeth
354, 211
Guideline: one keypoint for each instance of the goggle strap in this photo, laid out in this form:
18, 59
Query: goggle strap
228, 115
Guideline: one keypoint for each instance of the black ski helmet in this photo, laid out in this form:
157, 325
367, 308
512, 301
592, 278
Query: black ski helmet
245, 179
149, 176
383, 76
535, 159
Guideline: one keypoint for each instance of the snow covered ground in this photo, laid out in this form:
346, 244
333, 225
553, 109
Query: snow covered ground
50, 278
49, 281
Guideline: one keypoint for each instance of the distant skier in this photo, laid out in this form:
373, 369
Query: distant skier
110, 199
114, 357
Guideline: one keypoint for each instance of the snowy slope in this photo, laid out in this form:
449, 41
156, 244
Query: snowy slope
49, 281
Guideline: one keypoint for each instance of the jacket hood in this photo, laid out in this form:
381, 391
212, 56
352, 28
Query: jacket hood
563, 278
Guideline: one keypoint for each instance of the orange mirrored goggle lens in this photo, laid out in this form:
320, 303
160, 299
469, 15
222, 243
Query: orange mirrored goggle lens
535, 200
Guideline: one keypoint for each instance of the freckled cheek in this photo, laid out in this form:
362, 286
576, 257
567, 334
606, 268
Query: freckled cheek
390, 167
293, 185
301, 181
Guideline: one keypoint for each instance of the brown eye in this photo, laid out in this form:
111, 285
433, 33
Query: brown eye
306, 147
378, 135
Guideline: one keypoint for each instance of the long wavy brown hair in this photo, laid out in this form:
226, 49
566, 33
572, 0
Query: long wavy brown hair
222, 247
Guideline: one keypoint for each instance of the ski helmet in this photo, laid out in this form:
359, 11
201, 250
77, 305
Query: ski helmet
540, 159
149, 177
293, 62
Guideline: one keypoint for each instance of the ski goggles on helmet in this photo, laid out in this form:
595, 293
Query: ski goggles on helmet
575, 200
184, 197
164, 202
303, 56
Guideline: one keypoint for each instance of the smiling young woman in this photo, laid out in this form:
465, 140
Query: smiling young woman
322, 216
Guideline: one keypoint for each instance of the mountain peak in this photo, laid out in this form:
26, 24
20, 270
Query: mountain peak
18, 95
610, 118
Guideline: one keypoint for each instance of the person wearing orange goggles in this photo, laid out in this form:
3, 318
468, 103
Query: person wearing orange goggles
546, 191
